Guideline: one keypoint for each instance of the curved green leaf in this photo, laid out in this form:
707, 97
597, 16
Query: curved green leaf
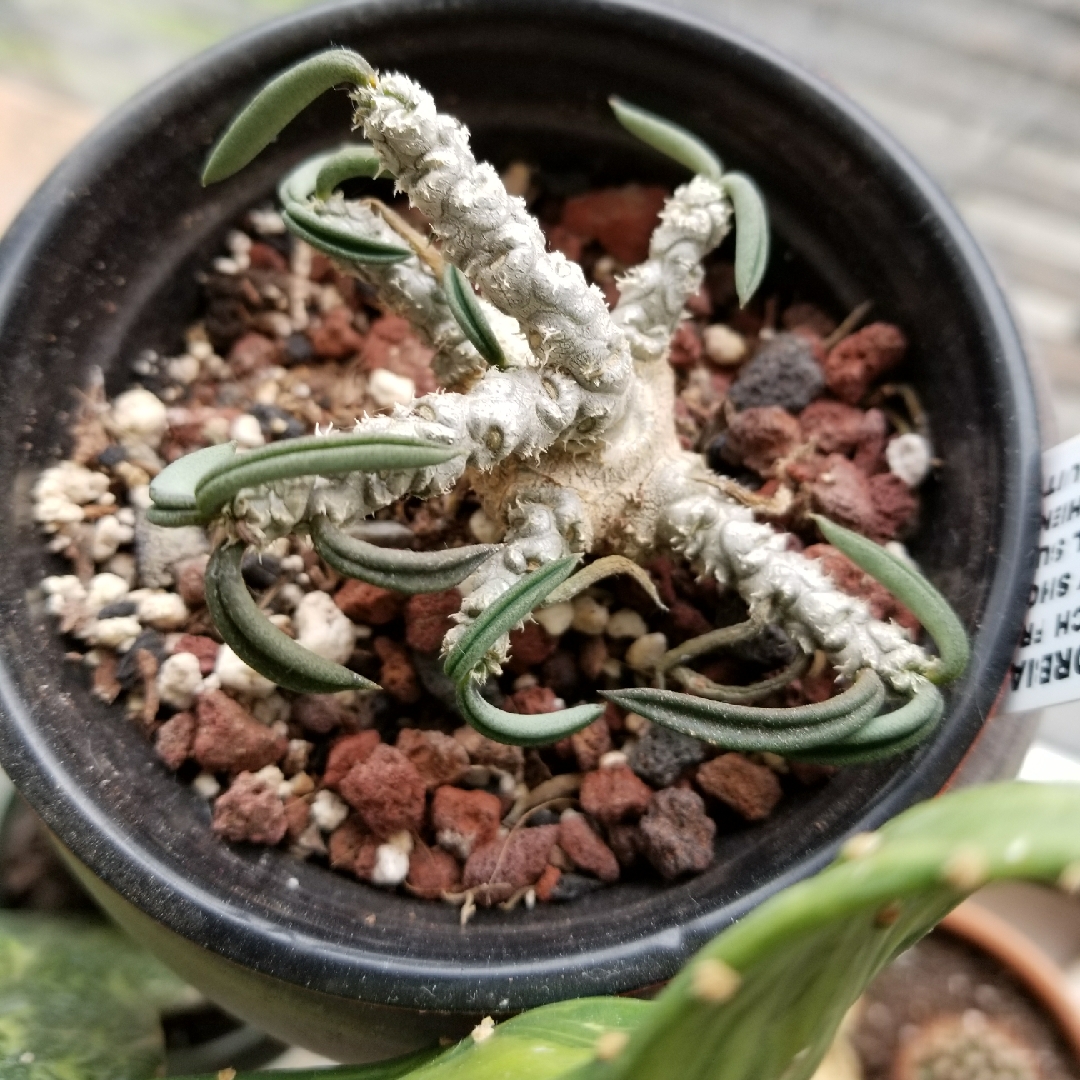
277, 103
408, 1065
391, 568
315, 455
752, 728
466, 309
521, 729
173, 519
174, 487
751, 233
669, 138
912, 590
502, 616
333, 236
764, 999
599, 569
348, 163
260, 644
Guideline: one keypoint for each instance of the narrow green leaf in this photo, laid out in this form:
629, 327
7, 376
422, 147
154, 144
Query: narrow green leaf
346, 164
510, 609
277, 103
598, 570
391, 568
470, 316
316, 455
259, 643
912, 590
333, 236
173, 519
669, 138
701, 686
521, 729
80, 1001
408, 1065
751, 233
174, 487
752, 728
789, 970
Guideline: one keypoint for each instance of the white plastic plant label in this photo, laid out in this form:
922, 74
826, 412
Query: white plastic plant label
1046, 668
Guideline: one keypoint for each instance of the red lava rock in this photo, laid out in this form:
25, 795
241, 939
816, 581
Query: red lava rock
387, 792
484, 751
230, 739
335, 338
677, 834
809, 774
687, 621
190, 577
592, 657
752, 791
250, 810
439, 758
590, 744
622, 219
397, 675
175, 740
686, 346
560, 238
251, 352
894, 503
545, 884
806, 468
433, 872
498, 869
346, 752
870, 453
851, 579
369, 604
854, 363
297, 817
263, 257
811, 689
392, 344
427, 618
533, 700
625, 843
836, 428
320, 713
808, 317
842, 493
586, 850
529, 647
613, 794
346, 842
760, 437
464, 820
203, 648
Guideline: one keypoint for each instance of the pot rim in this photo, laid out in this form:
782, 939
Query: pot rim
413, 981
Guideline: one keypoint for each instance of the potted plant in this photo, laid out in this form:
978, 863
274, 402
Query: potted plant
345, 985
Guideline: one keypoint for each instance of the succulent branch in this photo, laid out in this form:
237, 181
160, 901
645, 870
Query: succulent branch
764, 999
560, 415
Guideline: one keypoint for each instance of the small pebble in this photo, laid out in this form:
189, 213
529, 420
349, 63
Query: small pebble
233, 674
626, 623
137, 415
247, 431
387, 389
323, 628
724, 346
783, 372
909, 458
483, 529
556, 619
644, 654
590, 616
179, 679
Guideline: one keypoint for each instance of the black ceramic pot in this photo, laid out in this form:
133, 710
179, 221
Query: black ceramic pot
100, 265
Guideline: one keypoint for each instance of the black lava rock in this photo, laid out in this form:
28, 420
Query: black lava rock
719, 458
660, 755
111, 456
574, 886
298, 349
260, 569
127, 671
117, 610
276, 423
772, 648
784, 372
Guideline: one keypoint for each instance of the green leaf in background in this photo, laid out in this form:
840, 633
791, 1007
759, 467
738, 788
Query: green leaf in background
79, 1001
466, 309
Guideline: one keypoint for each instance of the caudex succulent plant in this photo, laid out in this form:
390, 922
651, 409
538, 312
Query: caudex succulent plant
764, 999
560, 415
